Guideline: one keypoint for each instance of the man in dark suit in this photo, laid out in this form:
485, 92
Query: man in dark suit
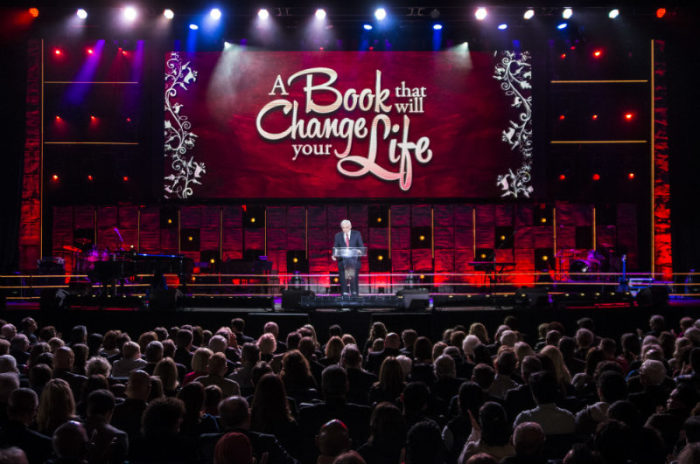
359, 380
348, 238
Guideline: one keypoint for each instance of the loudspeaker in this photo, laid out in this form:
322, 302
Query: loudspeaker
291, 298
654, 296
414, 299
531, 298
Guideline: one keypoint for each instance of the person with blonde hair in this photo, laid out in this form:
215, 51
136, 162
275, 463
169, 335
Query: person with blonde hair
479, 329
56, 406
216, 368
561, 372
200, 359
390, 383
130, 361
166, 371
267, 343
332, 351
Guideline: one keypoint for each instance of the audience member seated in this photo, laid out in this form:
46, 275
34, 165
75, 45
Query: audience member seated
234, 416
108, 444
21, 412
271, 414
528, 441
491, 434
332, 440
387, 435
552, 419
216, 368
390, 383
70, 443
359, 380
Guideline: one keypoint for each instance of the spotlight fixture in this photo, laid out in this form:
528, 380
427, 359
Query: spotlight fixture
502, 27
629, 116
567, 13
57, 51
194, 27
437, 27
614, 13
33, 12
320, 14
125, 178
90, 51
594, 117
562, 26
630, 176
263, 14
529, 14
660, 13
380, 14
598, 53
90, 178
481, 13
54, 177
562, 177
81, 13
367, 27
130, 13
168, 13
215, 14
596, 177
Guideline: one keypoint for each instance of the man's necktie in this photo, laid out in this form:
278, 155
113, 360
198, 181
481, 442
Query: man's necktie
347, 240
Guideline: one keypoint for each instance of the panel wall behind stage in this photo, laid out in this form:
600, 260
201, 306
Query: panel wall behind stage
452, 233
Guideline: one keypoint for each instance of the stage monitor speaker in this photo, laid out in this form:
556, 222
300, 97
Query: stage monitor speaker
291, 299
415, 299
531, 298
653, 296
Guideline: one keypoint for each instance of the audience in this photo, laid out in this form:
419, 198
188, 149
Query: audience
182, 395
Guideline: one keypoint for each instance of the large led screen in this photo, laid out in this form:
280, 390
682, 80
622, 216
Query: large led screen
254, 124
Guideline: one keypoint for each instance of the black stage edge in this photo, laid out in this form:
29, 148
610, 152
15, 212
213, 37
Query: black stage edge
609, 321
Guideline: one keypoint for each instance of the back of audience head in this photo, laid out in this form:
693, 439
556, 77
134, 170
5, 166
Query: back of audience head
162, 418
350, 357
334, 381
234, 413
349, 457
70, 441
471, 397
495, 427
23, 405
56, 405
690, 454
481, 458
233, 448
415, 397
333, 438
445, 367
652, 372
528, 439
614, 440
544, 387
483, 374
424, 444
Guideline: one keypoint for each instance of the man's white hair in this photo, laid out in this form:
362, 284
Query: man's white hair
345, 222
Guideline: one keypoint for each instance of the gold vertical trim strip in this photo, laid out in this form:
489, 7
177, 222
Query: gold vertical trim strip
474, 229
41, 160
653, 167
594, 228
